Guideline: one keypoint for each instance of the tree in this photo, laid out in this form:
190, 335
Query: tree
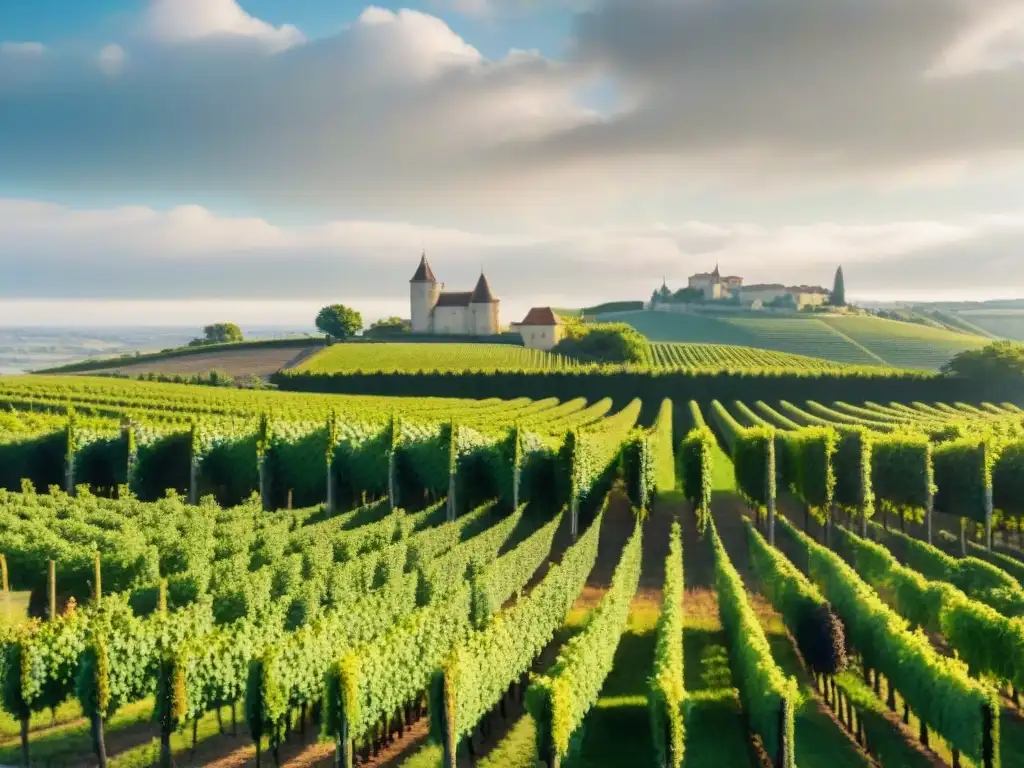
603, 343
689, 296
218, 333
393, 324
339, 322
1001, 360
839, 290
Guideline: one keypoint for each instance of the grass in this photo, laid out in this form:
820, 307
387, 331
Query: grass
13, 608
907, 345
394, 357
617, 730
820, 740
715, 731
71, 738
858, 340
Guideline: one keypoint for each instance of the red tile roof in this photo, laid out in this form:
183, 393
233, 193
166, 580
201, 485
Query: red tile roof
452, 299
482, 293
540, 316
424, 274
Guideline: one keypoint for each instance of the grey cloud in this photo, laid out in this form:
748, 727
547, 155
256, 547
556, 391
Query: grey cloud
403, 116
831, 87
52, 252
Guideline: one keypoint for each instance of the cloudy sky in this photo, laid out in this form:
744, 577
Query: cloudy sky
159, 157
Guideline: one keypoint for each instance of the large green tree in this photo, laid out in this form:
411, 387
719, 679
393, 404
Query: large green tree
339, 322
218, 333
839, 290
222, 333
603, 342
1001, 360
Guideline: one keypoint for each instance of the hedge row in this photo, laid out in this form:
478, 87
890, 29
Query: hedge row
979, 580
768, 697
938, 689
480, 671
819, 633
377, 679
559, 699
886, 385
990, 643
667, 693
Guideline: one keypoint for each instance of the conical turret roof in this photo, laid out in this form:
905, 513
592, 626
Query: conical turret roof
424, 274
482, 293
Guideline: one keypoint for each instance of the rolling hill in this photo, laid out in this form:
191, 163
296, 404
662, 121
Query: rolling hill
844, 339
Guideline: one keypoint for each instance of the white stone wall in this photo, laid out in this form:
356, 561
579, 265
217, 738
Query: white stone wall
810, 299
422, 298
453, 320
541, 336
484, 318
764, 294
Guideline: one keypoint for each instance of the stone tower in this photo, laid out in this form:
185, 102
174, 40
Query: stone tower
424, 291
483, 309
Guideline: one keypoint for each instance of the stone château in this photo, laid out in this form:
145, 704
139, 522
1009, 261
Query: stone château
457, 313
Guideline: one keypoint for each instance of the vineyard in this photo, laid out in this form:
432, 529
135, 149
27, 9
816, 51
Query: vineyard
671, 356
840, 339
390, 357
281, 578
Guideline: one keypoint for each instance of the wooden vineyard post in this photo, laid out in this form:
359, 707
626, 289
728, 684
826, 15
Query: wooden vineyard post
769, 485
449, 745
97, 577
989, 504
330, 489
51, 586
453, 470
574, 517
343, 752
516, 475
69, 457
3, 574
963, 537
128, 433
782, 755
988, 756
391, 479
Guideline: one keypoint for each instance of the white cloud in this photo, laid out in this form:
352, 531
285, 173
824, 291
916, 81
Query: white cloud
111, 59
11, 48
397, 116
187, 253
180, 21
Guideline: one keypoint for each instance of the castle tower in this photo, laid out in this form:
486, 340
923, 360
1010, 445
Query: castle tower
424, 291
483, 310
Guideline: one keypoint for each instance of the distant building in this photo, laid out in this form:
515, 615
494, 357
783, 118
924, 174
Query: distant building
434, 310
542, 328
803, 295
714, 285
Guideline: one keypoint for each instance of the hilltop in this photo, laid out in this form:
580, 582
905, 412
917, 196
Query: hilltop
856, 340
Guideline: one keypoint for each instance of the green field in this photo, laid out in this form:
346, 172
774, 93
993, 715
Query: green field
669, 355
852, 340
391, 357
1004, 323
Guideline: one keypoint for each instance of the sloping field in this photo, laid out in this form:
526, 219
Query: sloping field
237, 363
853, 340
429, 357
904, 344
669, 355
799, 336
1005, 323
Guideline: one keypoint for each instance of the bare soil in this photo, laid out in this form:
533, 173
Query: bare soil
237, 363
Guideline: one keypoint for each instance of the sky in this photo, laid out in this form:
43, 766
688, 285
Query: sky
179, 160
